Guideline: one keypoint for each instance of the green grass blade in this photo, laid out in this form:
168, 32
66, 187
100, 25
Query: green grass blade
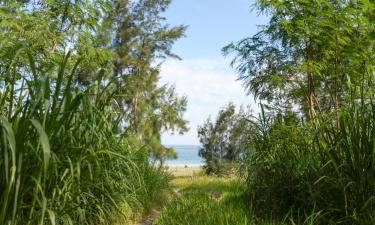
43, 138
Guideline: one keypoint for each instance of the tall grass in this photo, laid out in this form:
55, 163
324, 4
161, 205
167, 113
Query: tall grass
295, 169
63, 160
347, 152
207, 200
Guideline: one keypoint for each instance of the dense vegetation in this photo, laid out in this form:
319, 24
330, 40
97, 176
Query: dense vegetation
224, 140
207, 200
311, 149
82, 111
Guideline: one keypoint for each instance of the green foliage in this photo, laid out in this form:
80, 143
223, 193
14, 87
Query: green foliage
309, 53
198, 208
155, 190
330, 170
349, 171
214, 200
50, 165
281, 162
315, 58
207, 201
141, 41
224, 140
51, 28
67, 155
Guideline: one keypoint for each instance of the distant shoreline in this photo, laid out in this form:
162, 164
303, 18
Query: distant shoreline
179, 165
181, 171
187, 155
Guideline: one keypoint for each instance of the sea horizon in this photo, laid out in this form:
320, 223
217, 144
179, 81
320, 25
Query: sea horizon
187, 155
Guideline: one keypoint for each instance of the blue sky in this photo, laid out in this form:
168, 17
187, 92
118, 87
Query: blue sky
204, 75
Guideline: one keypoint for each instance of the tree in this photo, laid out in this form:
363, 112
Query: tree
309, 54
51, 28
224, 140
141, 39
59, 114
124, 41
315, 59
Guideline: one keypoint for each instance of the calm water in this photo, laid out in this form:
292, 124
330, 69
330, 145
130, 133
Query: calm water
187, 155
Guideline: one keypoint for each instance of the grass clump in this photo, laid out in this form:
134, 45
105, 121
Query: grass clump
294, 169
218, 200
63, 159
315, 172
200, 208
206, 200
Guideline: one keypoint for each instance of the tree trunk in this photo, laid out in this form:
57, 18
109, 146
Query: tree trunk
310, 81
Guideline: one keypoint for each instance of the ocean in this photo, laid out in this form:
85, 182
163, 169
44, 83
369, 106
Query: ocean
187, 156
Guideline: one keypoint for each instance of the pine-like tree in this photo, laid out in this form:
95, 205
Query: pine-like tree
141, 40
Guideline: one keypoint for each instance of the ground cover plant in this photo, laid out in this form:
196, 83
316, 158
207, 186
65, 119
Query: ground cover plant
207, 200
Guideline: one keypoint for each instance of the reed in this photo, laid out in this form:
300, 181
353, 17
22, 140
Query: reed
298, 169
63, 160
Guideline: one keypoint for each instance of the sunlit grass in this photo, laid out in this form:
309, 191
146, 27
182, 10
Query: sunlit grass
206, 200
207, 184
62, 161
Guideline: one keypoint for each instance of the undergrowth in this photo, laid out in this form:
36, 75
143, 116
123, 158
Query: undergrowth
63, 158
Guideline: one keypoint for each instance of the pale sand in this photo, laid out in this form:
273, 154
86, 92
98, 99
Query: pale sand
183, 172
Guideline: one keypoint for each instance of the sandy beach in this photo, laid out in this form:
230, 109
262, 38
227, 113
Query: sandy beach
182, 171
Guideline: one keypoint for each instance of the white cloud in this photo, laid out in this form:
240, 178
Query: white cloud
209, 84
